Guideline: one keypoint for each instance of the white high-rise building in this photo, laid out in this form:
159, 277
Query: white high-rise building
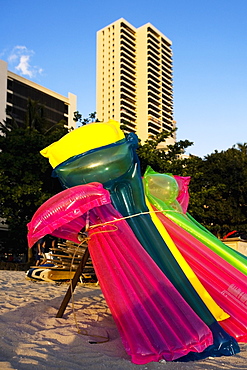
134, 78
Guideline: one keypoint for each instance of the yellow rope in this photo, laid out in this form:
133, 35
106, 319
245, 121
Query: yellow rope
124, 218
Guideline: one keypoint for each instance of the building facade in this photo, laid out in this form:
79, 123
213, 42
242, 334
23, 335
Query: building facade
16, 90
134, 78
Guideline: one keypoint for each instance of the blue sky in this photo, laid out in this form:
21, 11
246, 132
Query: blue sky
54, 44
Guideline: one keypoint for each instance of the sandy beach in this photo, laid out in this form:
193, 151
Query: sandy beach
86, 337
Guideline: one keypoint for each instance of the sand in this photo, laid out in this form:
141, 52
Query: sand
31, 337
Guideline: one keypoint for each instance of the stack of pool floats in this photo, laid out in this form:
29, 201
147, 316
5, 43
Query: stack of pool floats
175, 291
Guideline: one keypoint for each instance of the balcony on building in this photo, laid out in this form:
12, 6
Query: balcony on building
166, 59
154, 106
127, 114
127, 28
153, 60
153, 36
127, 92
126, 61
168, 109
126, 69
167, 105
153, 98
126, 76
128, 46
166, 94
153, 90
166, 74
168, 87
130, 37
154, 44
151, 49
127, 50
124, 104
154, 55
153, 84
154, 72
153, 129
167, 115
167, 67
153, 112
153, 66
152, 77
167, 84
167, 123
131, 87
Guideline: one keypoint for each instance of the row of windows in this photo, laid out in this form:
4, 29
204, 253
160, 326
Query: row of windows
109, 30
19, 114
22, 102
154, 101
127, 28
167, 126
103, 45
22, 92
103, 61
18, 95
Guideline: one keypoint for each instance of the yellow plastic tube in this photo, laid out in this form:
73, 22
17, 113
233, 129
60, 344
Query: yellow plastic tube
214, 308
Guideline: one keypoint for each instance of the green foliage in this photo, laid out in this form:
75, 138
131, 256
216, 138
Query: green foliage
218, 186
25, 176
158, 159
83, 121
218, 189
225, 174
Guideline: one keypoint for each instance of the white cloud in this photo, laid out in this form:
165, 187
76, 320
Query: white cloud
20, 59
24, 67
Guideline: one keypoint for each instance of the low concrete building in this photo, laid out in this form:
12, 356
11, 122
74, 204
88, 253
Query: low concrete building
237, 244
16, 90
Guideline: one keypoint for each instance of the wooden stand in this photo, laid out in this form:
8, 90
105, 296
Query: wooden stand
73, 284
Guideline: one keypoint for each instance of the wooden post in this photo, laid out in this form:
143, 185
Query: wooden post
73, 284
